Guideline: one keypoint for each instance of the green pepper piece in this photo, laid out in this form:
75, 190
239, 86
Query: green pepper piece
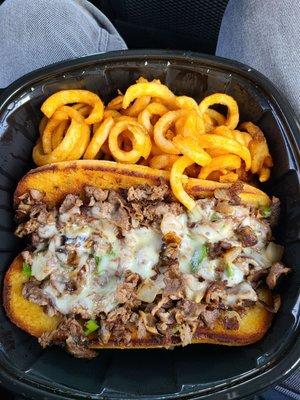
215, 217
229, 270
102, 262
26, 270
90, 326
265, 212
198, 257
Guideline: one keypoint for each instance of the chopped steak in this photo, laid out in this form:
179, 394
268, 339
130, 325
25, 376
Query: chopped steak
215, 292
216, 249
257, 275
34, 293
210, 317
135, 264
70, 331
96, 194
231, 194
247, 236
71, 204
148, 193
275, 272
126, 291
186, 334
231, 323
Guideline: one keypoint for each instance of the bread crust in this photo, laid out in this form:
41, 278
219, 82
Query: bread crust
58, 180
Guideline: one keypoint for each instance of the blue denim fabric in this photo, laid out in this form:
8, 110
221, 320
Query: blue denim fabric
265, 34
35, 33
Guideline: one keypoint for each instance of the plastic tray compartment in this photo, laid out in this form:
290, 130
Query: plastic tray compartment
198, 371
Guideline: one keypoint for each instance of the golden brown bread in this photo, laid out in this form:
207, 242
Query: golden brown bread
56, 181
31, 318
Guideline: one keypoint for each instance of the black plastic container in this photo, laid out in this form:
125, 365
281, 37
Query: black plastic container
197, 371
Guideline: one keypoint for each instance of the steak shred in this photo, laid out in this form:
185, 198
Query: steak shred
157, 308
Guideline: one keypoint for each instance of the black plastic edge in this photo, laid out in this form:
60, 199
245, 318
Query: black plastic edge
288, 117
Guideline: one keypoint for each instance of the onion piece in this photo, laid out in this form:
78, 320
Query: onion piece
147, 291
274, 252
148, 322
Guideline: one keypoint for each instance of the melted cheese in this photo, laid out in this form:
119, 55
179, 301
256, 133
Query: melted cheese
104, 257
243, 291
141, 251
174, 223
194, 290
41, 267
47, 231
215, 231
236, 276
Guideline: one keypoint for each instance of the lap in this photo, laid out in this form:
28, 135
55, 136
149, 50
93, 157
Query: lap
35, 33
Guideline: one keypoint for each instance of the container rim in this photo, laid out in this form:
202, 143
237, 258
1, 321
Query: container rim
287, 113
273, 371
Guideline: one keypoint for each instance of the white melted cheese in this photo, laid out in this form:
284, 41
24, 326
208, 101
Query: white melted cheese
236, 276
243, 291
202, 211
105, 257
140, 252
47, 231
89, 297
194, 289
174, 223
42, 266
73, 231
215, 231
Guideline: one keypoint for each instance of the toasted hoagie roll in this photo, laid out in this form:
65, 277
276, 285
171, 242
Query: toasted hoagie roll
114, 261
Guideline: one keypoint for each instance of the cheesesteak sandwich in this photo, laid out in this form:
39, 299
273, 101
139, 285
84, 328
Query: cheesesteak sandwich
114, 261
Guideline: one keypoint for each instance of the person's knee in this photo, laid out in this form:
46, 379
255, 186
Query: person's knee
23, 14
17, 8
35, 33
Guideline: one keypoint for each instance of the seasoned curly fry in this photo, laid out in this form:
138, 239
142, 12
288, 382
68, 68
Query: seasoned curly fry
176, 177
189, 147
63, 113
242, 137
138, 106
228, 161
151, 126
258, 147
186, 102
232, 119
59, 133
216, 117
152, 89
63, 150
152, 109
141, 146
115, 104
63, 97
211, 141
98, 139
264, 174
163, 161
193, 125
231, 177
161, 127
